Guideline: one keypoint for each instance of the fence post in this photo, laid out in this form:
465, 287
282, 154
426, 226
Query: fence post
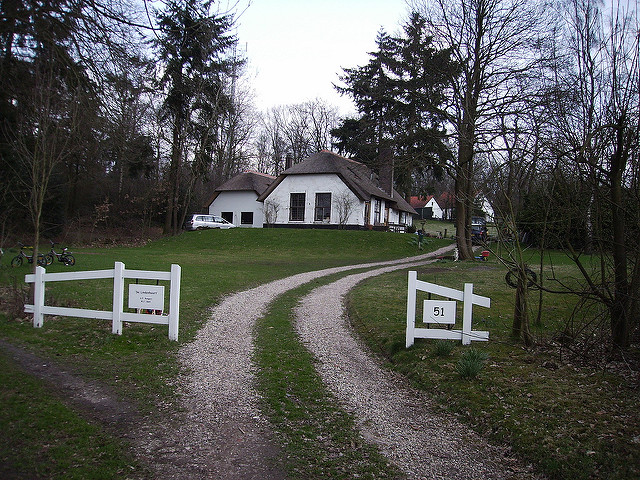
174, 301
467, 312
38, 297
118, 297
411, 308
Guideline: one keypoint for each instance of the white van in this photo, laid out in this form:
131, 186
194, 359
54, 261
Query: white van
198, 221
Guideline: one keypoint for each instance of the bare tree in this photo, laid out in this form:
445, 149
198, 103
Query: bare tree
597, 121
345, 205
45, 136
261, 149
493, 42
272, 147
296, 130
568, 172
512, 168
271, 209
290, 133
322, 119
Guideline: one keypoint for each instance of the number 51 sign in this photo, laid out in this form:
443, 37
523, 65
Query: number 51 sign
442, 312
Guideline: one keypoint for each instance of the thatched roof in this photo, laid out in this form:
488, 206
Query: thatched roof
357, 176
247, 181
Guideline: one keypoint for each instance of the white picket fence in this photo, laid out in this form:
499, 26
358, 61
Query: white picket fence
466, 296
119, 273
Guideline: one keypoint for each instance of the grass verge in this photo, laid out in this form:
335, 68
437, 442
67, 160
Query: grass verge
569, 419
319, 438
141, 364
42, 438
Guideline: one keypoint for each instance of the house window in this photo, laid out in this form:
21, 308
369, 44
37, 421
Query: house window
228, 216
367, 213
377, 208
323, 207
296, 208
246, 218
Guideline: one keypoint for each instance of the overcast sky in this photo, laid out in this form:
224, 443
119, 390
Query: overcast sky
297, 48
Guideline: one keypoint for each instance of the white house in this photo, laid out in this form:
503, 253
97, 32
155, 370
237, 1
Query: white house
427, 207
486, 207
327, 190
235, 200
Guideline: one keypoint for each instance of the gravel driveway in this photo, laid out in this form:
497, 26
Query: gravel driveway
222, 434
389, 413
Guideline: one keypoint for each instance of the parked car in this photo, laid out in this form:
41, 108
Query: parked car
198, 221
479, 231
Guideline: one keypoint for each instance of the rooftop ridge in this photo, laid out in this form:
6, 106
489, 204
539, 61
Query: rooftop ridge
341, 156
259, 173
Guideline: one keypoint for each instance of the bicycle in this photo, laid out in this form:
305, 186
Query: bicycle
18, 260
65, 256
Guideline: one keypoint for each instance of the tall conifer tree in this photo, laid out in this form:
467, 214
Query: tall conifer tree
398, 96
192, 46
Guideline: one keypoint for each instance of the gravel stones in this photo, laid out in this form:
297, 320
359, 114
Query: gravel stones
222, 434
399, 419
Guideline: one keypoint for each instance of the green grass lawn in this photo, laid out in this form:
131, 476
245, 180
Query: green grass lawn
139, 363
571, 421
436, 228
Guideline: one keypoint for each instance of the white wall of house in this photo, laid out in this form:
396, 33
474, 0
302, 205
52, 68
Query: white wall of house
487, 209
435, 208
242, 205
310, 185
394, 216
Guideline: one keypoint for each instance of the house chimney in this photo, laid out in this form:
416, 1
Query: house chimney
288, 161
385, 168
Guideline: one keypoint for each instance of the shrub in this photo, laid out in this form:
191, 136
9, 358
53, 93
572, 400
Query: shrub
470, 363
415, 241
443, 348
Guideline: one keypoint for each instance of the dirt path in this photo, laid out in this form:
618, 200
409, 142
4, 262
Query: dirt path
90, 398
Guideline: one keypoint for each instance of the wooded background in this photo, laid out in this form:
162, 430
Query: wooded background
117, 114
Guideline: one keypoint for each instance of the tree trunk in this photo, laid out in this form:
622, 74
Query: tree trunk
173, 192
620, 306
464, 199
520, 328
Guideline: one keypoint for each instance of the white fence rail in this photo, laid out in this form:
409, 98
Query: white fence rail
466, 296
116, 315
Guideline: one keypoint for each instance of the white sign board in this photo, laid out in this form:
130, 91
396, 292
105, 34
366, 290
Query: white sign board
441, 312
146, 296
431, 313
